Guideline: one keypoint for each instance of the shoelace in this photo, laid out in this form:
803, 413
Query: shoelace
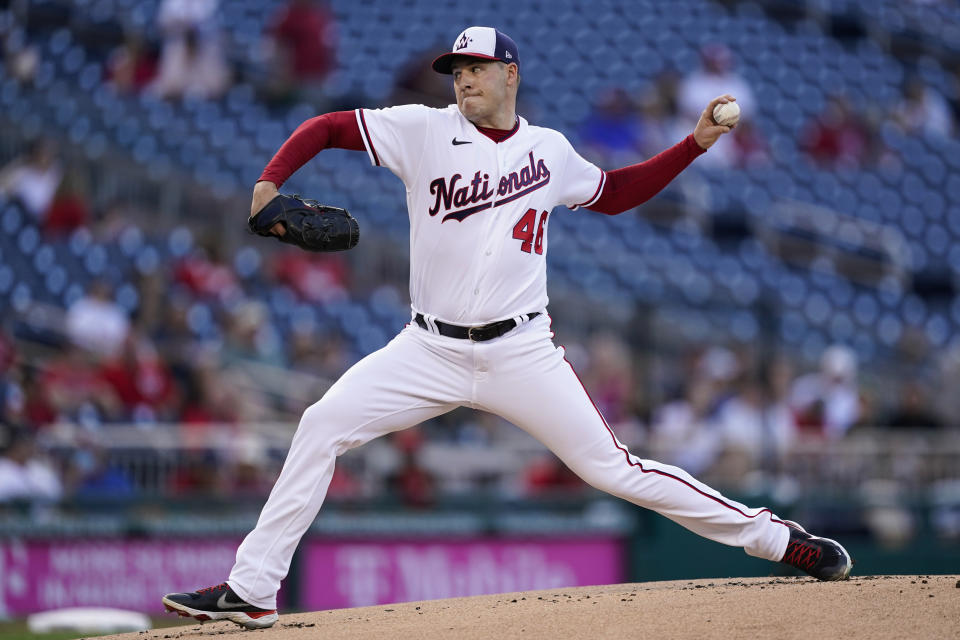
802, 554
222, 585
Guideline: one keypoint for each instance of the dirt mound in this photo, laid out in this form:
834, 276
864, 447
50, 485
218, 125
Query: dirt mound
874, 607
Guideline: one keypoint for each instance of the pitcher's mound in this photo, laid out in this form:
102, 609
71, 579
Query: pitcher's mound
873, 607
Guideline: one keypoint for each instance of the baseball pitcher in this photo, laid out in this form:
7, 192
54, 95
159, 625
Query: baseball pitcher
482, 184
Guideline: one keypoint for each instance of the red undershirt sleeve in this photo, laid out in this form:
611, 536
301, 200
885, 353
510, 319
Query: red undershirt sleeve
631, 186
337, 130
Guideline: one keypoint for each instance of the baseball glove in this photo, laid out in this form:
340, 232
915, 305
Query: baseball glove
310, 225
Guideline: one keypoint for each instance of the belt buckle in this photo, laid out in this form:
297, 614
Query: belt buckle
470, 334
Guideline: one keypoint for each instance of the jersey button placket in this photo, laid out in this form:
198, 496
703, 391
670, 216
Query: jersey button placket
481, 272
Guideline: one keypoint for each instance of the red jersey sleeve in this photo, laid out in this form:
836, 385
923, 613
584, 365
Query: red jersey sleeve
631, 186
337, 130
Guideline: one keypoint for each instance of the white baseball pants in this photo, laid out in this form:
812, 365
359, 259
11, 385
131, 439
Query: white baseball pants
521, 376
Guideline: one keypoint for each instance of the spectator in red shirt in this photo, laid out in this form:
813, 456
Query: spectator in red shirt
75, 391
315, 278
547, 474
305, 35
207, 398
70, 208
750, 148
301, 44
414, 484
131, 66
837, 137
141, 381
206, 273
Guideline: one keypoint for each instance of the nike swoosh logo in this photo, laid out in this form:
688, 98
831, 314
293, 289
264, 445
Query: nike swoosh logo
459, 142
223, 604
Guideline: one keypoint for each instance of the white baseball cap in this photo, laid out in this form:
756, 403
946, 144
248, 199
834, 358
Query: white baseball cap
480, 42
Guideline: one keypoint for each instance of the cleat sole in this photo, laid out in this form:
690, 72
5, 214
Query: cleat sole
259, 620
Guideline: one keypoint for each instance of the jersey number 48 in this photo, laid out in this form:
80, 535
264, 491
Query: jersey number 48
523, 231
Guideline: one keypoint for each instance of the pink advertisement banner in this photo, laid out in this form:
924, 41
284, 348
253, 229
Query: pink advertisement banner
134, 575
341, 574
39, 575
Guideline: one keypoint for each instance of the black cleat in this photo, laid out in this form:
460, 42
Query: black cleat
219, 603
822, 558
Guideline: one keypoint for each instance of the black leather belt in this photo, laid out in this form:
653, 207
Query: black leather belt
476, 334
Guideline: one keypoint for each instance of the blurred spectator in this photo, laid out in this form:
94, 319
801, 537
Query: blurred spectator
92, 474
206, 398
24, 473
192, 62
749, 147
323, 354
175, 340
414, 485
924, 111
191, 68
344, 485
757, 423
205, 272
115, 218
716, 77
246, 470
547, 473
612, 131
20, 57
301, 44
200, 473
946, 399
176, 17
685, 432
913, 411
418, 83
69, 209
34, 178
660, 115
251, 337
142, 381
76, 391
481, 429
154, 298
838, 138
610, 377
25, 401
827, 403
8, 352
96, 323
315, 278
132, 66
719, 368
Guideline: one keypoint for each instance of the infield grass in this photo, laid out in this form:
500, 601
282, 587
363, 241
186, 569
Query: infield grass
17, 630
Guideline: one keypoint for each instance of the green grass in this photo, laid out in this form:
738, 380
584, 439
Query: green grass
17, 630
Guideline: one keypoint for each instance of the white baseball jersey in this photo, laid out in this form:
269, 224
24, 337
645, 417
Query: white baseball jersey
478, 209
478, 217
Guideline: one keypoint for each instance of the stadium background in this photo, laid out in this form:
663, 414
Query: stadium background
780, 321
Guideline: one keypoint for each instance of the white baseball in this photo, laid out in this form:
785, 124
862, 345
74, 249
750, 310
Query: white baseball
726, 114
